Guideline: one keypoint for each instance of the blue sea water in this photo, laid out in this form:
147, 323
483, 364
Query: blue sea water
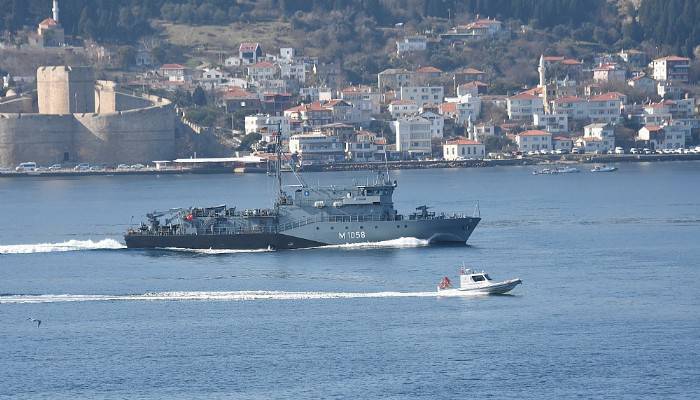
609, 307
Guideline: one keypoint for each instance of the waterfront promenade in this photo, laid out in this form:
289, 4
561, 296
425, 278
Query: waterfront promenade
392, 165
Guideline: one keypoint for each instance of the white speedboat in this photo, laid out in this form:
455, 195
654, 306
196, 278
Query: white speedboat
567, 170
603, 168
555, 171
471, 281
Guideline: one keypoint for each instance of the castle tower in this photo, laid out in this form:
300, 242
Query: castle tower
55, 10
65, 90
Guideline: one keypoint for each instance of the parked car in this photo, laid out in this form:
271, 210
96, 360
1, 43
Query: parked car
138, 166
26, 167
55, 167
619, 150
646, 151
577, 150
82, 167
123, 166
634, 150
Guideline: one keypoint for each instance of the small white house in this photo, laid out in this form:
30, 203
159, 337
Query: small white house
534, 140
462, 148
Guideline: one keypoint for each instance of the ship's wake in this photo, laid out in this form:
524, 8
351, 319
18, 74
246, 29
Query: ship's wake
400, 243
111, 244
70, 245
215, 251
217, 296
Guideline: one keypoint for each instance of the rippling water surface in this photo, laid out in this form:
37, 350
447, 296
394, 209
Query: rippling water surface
608, 308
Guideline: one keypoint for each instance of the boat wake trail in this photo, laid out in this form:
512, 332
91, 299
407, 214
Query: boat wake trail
70, 245
216, 296
400, 243
216, 251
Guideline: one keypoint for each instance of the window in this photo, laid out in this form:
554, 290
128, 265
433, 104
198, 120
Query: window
478, 278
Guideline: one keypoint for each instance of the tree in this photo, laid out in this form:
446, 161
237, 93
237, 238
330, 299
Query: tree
199, 97
248, 141
497, 143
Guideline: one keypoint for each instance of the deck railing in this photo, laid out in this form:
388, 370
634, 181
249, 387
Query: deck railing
214, 230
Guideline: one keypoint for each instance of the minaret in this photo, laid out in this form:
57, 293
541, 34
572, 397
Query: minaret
541, 70
55, 10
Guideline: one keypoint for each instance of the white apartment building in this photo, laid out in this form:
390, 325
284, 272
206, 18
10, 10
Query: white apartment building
462, 108
423, 94
401, 108
671, 68
317, 147
663, 137
411, 44
524, 105
413, 135
605, 133
437, 122
267, 125
552, 123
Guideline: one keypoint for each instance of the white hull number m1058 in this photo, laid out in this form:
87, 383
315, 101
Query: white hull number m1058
352, 235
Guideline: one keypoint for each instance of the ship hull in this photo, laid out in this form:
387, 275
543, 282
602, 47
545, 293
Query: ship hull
453, 230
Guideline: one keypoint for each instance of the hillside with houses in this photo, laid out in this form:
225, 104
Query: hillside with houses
448, 82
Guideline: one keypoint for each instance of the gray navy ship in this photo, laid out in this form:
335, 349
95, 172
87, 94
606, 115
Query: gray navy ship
302, 217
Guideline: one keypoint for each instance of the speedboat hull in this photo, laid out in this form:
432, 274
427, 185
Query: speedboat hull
488, 288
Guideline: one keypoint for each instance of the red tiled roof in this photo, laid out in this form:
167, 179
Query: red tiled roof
672, 58
653, 128
561, 138
428, 69
554, 58
172, 66
335, 102
470, 70
473, 84
462, 141
571, 61
448, 107
238, 93
523, 96
534, 132
247, 46
607, 96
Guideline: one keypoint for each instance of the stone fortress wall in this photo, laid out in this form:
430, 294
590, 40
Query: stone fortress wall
118, 128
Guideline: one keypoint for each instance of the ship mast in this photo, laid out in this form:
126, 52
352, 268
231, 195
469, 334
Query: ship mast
278, 167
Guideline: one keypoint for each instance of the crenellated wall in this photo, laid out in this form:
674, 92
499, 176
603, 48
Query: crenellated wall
137, 135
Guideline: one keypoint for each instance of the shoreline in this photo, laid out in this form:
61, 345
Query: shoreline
392, 165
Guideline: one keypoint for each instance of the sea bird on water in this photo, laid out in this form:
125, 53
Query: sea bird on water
38, 321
